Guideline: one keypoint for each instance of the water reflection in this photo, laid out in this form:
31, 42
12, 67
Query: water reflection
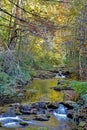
40, 90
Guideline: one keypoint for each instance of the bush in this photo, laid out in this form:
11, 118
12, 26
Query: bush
4, 90
84, 97
5, 78
23, 75
80, 87
7, 82
32, 72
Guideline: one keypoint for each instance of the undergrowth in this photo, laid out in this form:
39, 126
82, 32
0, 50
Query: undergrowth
80, 88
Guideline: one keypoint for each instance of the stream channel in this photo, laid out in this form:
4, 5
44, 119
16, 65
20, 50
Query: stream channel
39, 91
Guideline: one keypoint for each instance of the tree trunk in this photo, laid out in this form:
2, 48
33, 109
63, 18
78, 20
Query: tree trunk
12, 41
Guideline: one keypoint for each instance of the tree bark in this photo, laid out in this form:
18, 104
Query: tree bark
12, 41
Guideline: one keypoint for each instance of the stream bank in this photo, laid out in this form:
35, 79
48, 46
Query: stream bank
39, 107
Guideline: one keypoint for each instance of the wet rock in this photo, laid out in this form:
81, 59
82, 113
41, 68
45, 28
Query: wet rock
0, 124
17, 112
82, 112
44, 74
57, 88
41, 117
52, 105
38, 108
82, 125
69, 104
24, 112
15, 105
27, 117
28, 110
70, 114
2, 110
54, 71
39, 105
80, 101
70, 95
62, 85
43, 105
23, 123
66, 73
24, 109
20, 95
9, 113
72, 103
62, 71
33, 111
16, 108
79, 115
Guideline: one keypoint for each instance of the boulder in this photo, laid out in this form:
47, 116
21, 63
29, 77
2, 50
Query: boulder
68, 106
31, 111
70, 95
39, 105
51, 105
70, 114
42, 74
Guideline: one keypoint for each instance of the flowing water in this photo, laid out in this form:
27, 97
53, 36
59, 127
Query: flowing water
41, 90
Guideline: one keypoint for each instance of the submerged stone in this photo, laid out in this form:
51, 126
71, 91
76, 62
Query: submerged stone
0, 124
3, 110
23, 123
41, 119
